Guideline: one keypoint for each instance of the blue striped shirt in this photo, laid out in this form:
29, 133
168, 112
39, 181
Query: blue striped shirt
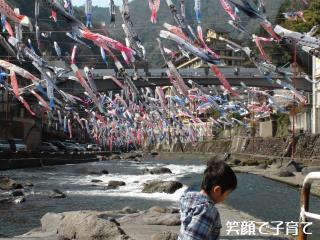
200, 219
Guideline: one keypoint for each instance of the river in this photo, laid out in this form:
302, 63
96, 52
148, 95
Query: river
260, 197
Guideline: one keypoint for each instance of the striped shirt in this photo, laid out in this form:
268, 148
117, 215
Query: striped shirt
200, 219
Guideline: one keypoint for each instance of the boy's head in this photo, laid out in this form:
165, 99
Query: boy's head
219, 181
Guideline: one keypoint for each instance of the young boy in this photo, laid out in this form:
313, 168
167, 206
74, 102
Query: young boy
200, 219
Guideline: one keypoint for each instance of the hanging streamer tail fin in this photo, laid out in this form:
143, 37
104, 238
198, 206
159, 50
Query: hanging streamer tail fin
223, 80
25, 21
269, 29
15, 88
204, 45
153, 15
69, 128
41, 100
261, 50
54, 16
9, 29
14, 84
73, 55
27, 106
103, 55
226, 6
150, 4
198, 16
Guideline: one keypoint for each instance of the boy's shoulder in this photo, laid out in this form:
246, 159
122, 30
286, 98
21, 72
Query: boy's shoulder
190, 199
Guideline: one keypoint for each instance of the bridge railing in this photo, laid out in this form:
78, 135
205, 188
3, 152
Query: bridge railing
304, 199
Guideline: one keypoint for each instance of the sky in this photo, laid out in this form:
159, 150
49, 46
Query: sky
100, 3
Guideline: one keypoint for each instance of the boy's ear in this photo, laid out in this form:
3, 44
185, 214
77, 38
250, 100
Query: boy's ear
217, 189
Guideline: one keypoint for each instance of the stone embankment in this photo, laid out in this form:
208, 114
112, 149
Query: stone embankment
304, 148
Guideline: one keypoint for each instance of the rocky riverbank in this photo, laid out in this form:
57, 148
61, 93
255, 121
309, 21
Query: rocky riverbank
155, 223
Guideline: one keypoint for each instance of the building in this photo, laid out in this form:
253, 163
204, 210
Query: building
316, 96
228, 56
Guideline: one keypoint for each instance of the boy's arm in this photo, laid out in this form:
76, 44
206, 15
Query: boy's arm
205, 225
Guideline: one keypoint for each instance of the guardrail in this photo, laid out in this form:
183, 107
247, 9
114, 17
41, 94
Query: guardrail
304, 200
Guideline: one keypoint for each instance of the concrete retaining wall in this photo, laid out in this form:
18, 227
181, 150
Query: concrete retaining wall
28, 160
306, 148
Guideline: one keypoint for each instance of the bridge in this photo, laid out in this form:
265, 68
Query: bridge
157, 77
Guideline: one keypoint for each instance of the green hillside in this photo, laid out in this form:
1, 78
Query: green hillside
213, 16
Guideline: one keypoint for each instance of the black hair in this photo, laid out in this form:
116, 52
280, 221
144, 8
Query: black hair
218, 173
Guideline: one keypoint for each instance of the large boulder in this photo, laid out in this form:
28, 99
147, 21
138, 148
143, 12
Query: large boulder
157, 170
154, 216
284, 172
293, 166
88, 225
17, 193
50, 222
162, 186
165, 236
56, 194
9, 184
115, 184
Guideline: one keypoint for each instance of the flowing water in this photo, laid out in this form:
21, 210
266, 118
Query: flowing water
260, 197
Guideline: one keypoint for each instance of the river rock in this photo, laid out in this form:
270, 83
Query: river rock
154, 216
157, 170
50, 222
154, 153
96, 181
129, 210
88, 225
235, 162
115, 157
57, 194
9, 184
96, 172
17, 193
293, 166
162, 186
115, 184
137, 159
262, 166
284, 172
132, 156
165, 236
